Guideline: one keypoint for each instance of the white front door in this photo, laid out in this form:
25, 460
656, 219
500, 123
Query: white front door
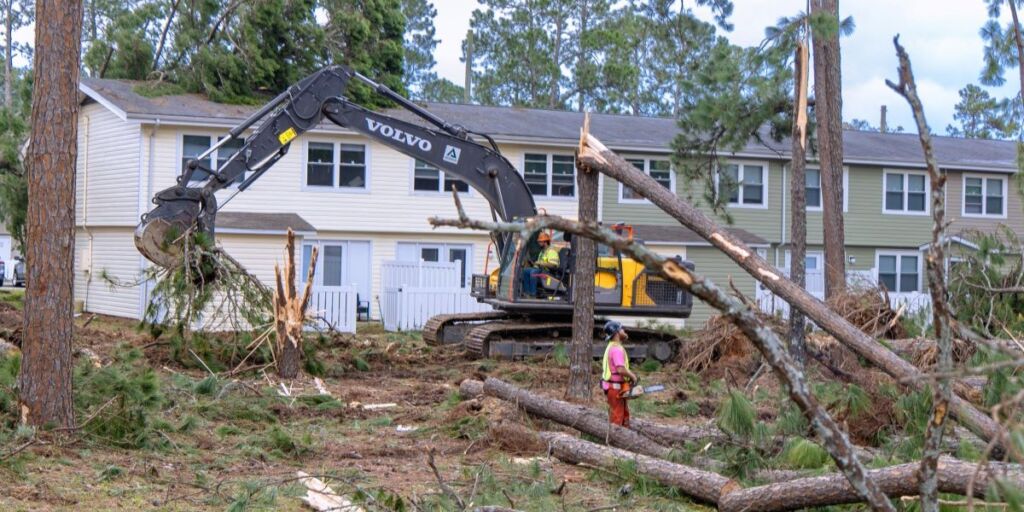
814, 267
434, 253
341, 263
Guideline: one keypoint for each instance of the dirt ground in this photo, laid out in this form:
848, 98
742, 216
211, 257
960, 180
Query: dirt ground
215, 455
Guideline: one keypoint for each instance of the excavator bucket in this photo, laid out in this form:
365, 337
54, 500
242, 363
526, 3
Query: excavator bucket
160, 235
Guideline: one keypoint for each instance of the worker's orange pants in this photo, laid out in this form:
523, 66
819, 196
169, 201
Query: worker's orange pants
618, 408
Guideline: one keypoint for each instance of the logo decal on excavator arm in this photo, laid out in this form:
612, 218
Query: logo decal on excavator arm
286, 136
452, 154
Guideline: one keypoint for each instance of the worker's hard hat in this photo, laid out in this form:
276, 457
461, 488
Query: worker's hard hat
611, 329
543, 237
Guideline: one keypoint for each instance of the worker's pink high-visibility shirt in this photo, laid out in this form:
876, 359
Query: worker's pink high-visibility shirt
616, 358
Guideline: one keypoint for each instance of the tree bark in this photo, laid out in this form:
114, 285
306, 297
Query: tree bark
798, 203
581, 418
581, 353
9, 51
935, 263
163, 34
290, 311
676, 435
828, 111
820, 491
1019, 42
702, 485
608, 163
45, 379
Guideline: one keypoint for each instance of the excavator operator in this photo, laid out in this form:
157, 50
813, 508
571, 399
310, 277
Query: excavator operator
546, 260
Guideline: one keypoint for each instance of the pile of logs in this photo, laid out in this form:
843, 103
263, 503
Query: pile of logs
649, 446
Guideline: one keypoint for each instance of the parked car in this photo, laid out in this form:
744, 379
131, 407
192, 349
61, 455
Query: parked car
19, 272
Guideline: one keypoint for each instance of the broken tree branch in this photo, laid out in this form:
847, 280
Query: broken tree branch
936, 267
598, 157
834, 439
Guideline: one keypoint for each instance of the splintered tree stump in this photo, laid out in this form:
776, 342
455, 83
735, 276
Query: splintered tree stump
290, 312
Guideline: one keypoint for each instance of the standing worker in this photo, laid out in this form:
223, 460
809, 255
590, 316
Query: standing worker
616, 378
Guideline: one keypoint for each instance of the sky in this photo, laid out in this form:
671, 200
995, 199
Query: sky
941, 37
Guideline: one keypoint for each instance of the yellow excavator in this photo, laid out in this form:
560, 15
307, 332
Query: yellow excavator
521, 324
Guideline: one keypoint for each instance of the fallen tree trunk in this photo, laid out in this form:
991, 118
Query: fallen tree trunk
576, 416
595, 155
664, 434
832, 489
702, 485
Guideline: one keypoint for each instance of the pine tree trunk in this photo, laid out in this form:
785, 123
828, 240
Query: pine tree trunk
798, 203
1018, 40
45, 379
8, 52
828, 111
581, 352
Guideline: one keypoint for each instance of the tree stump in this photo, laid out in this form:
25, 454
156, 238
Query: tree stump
290, 312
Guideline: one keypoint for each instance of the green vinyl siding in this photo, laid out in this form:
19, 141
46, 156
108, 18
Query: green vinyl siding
711, 263
765, 222
863, 221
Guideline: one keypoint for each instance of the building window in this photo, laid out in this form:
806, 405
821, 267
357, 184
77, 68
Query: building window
744, 185
660, 170
427, 178
194, 145
906, 192
550, 175
899, 273
984, 196
812, 187
333, 165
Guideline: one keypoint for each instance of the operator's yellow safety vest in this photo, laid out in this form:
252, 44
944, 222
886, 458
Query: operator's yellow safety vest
606, 368
549, 256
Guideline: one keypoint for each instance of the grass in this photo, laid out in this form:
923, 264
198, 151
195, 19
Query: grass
14, 298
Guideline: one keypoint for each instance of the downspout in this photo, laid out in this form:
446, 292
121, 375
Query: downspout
85, 217
145, 204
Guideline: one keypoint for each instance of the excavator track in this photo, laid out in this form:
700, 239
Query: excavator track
434, 330
523, 339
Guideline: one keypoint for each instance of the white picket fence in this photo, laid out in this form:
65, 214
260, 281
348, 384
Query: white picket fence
415, 291
334, 308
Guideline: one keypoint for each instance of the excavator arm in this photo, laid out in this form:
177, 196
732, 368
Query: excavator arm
301, 108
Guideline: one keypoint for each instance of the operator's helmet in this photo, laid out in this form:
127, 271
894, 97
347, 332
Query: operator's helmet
611, 329
544, 237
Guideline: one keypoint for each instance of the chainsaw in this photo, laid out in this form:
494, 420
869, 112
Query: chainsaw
638, 390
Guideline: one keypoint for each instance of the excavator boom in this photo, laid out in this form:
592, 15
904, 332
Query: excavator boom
449, 147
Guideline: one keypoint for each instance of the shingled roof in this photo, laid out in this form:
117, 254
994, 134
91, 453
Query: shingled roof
266, 223
512, 124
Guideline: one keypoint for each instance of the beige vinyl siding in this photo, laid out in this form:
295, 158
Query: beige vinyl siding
388, 204
765, 222
107, 172
712, 264
107, 272
955, 199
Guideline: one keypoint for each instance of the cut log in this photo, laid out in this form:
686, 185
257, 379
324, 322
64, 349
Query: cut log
696, 483
820, 491
470, 388
578, 417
